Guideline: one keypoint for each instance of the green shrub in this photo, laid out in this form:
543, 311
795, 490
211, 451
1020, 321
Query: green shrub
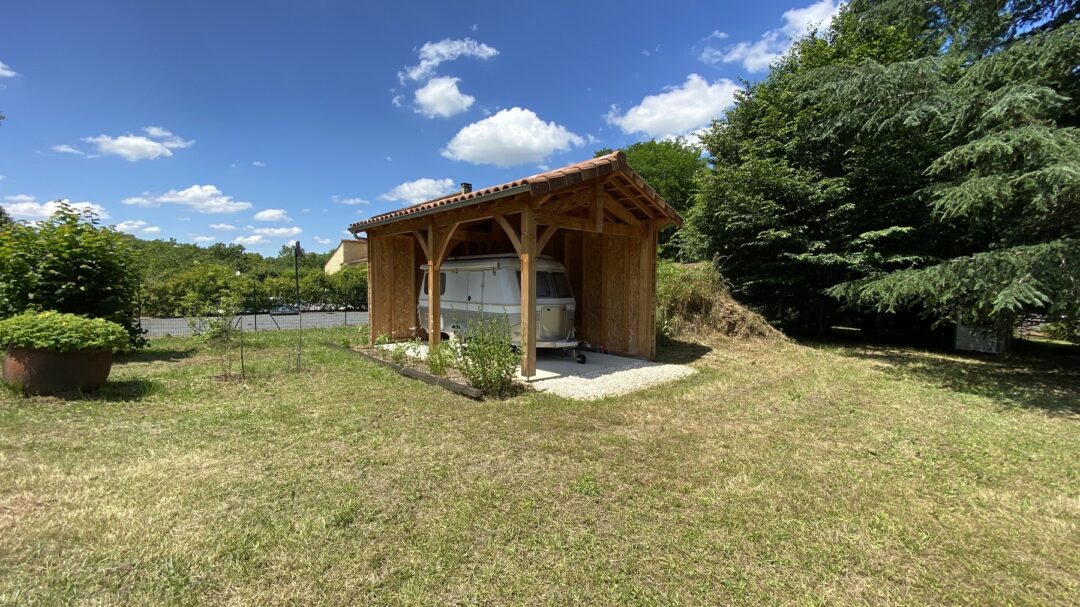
213, 323
399, 353
488, 359
440, 358
61, 332
70, 264
364, 333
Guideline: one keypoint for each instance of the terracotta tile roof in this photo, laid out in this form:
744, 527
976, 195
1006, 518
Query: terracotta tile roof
541, 183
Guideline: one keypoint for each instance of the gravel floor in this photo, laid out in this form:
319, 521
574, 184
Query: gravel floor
601, 376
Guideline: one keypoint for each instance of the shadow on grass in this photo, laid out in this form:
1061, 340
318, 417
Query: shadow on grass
678, 352
1033, 375
118, 391
156, 355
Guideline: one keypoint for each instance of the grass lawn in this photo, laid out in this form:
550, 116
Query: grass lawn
779, 474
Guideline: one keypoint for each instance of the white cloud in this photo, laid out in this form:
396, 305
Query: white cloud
198, 238
258, 163
200, 198
441, 97
137, 227
254, 239
349, 201
6, 71
224, 227
64, 148
432, 54
289, 231
412, 192
24, 206
158, 142
321, 240
510, 137
397, 100
679, 110
757, 55
273, 215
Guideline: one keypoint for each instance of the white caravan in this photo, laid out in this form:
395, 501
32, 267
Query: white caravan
488, 287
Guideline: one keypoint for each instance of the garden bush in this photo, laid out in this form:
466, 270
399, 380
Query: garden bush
488, 359
61, 332
70, 264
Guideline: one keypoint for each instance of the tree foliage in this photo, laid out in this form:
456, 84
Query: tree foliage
788, 211
1007, 183
915, 156
71, 264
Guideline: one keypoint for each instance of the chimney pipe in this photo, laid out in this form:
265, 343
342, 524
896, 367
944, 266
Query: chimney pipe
466, 187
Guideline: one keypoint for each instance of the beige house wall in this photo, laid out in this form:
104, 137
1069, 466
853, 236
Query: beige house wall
349, 252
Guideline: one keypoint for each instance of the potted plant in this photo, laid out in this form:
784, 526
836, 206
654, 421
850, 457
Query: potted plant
50, 352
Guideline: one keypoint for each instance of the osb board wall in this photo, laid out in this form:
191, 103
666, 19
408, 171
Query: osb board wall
614, 280
393, 268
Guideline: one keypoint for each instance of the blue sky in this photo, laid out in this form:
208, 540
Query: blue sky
264, 122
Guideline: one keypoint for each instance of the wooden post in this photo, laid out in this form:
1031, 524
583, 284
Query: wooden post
434, 285
528, 291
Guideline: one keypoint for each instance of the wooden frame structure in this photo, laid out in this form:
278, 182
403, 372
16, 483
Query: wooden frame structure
598, 218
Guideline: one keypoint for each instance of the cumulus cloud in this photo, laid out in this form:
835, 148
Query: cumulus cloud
137, 226
412, 192
250, 241
199, 198
258, 163
349, 201
679, 110
289, 231
156, 143
441, 97
757, 55
224, 227
64, 148
433, 54
24, 206
510, 137
321, 240
396, 100
272, 215
198, 238
6, 71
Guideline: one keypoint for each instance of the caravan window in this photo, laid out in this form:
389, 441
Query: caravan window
561, 285
442, 283
550, 285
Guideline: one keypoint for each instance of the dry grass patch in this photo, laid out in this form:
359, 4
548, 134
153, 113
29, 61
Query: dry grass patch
779, 473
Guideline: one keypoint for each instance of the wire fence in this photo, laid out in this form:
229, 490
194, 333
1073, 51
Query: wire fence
177, 327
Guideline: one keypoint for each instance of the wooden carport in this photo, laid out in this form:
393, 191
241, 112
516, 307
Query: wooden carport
598, 218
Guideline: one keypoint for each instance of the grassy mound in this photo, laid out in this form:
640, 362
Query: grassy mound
693, 301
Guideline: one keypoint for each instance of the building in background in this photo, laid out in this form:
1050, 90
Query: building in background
349, 253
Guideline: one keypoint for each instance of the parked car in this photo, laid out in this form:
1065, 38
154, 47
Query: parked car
488, 287
284, 310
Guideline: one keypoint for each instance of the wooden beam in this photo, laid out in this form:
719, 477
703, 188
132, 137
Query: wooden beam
619, 210
545, 237
444, 242
510, 232
528, 292
434, 285
597, 212
586, 224
614, 181
424, 242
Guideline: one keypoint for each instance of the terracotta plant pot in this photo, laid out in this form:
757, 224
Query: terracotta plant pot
49, 372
